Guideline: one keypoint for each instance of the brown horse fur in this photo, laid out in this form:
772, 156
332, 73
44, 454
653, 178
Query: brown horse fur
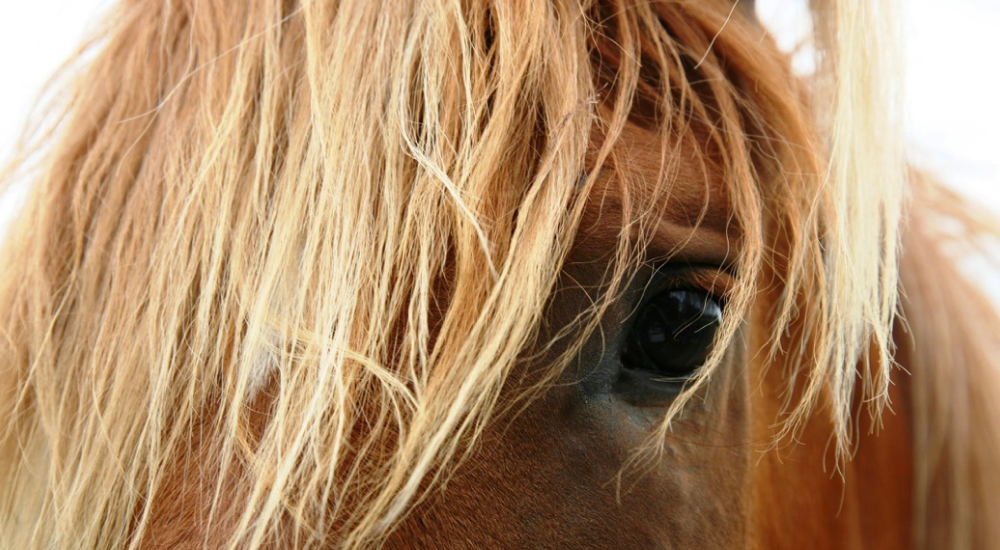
357, 275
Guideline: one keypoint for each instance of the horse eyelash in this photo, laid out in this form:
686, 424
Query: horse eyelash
712, 279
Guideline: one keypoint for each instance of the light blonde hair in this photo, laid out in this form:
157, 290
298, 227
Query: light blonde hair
354, 217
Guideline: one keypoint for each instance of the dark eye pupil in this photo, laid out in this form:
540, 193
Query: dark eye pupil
673, 333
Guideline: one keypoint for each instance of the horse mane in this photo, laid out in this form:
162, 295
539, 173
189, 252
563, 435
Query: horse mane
306, 276
951, 349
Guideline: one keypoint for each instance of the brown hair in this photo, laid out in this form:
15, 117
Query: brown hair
362, 211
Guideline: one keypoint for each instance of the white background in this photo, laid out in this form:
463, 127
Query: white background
952, 83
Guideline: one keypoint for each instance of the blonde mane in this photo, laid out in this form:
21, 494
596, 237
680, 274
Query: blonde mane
303, 248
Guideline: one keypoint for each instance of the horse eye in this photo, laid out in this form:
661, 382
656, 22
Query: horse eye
672, 334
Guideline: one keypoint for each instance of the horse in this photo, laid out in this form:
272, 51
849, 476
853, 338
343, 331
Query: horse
462, 274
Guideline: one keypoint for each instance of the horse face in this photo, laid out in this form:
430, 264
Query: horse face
554, 474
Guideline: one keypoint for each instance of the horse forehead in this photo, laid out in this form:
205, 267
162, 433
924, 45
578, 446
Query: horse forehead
687, 179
